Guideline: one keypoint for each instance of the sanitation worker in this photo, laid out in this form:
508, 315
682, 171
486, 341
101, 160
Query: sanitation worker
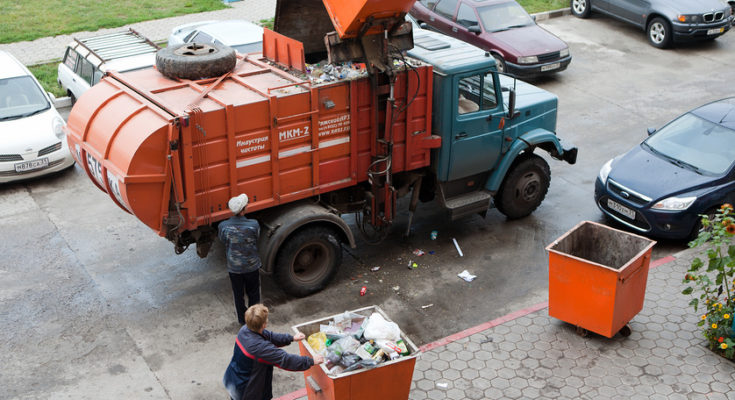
240, 236
250, 373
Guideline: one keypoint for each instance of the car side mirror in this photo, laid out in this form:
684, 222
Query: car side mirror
511, 103
51, 96
651, 131
475, 29
533, 17
424, 25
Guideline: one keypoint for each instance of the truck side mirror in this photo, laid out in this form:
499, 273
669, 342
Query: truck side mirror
475, 29
511, 103
651, 131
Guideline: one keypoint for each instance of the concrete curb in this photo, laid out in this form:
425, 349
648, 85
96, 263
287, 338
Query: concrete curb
542, 16
62, 102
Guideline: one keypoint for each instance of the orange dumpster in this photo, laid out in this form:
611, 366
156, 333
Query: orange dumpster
597, 277
390, 380
350, 17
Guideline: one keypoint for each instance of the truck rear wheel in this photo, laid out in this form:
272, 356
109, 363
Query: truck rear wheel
195, 60
308, 261
524, 188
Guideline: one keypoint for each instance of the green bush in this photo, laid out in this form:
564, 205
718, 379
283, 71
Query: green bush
712, 283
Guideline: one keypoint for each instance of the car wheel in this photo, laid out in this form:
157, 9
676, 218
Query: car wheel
195, 60
659, 33
308, 261
72, 98
580, 8
499, 63
524, 187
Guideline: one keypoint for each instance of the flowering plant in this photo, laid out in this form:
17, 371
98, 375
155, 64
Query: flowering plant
714, 280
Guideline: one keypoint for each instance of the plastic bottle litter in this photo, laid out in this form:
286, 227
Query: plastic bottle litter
363, 290
318, 341
419, 252
375, 269
434, 234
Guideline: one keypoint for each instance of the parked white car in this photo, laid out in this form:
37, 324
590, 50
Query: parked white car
86, 60
243, 36
32, 141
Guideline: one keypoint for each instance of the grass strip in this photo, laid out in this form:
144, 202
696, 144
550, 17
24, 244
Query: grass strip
33, 19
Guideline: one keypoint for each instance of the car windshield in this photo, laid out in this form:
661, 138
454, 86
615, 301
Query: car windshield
504, 16
695, 143
20, 97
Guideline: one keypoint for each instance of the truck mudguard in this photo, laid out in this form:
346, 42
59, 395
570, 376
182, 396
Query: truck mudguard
277, 224
536, 137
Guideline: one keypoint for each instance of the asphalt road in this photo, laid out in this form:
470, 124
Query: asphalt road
95, 305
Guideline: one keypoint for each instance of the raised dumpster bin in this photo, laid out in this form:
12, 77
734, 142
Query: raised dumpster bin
597, 277
390, 380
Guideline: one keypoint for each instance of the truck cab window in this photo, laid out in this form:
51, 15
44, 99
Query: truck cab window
471, 98
466, 16
446, 8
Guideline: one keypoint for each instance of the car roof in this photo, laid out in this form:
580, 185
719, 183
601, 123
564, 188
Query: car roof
11, 67
448, 55
233, 32
721, 112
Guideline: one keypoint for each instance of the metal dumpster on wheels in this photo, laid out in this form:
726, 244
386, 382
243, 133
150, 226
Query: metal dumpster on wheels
390, 380
597, 277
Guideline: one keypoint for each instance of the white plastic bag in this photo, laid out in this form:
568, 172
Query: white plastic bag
378, 328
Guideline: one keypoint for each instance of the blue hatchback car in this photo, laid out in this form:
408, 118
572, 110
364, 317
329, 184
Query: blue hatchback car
683, 170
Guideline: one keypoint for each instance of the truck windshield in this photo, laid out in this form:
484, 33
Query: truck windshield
693, 142
504, 16
21, 97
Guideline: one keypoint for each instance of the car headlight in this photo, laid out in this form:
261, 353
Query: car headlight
674, 203
564, 53
56, 125
687, 18
605, 171
528, 60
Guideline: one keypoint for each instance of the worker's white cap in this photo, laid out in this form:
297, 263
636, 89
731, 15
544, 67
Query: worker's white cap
236, 204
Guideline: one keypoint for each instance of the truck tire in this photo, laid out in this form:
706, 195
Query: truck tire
524, 187
308, 261
195, 60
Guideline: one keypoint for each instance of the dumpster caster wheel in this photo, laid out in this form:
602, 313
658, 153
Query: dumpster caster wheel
582, 332
625, 331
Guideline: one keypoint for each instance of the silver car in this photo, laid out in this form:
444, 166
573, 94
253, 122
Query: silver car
665, 21
243, 36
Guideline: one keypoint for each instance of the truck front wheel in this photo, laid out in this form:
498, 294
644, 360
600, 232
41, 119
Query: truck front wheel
308, 261
524, 187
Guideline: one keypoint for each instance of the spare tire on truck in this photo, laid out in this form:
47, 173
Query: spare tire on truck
195, 60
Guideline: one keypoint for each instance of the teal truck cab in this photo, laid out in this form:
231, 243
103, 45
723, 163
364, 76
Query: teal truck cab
490, 125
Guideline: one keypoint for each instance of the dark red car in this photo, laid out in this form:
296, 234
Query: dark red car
501, 27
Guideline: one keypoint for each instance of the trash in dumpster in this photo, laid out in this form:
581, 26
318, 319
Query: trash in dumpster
467, 276
374, 375
323, 72
353, 341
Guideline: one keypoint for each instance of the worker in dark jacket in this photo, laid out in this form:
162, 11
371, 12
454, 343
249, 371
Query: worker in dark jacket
240, 236
250, 373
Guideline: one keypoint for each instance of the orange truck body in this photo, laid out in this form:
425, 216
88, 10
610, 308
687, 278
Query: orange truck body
351, 16
173, 152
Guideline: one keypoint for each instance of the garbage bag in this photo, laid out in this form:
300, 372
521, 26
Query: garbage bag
347, 344
349, 359
317, 341
378, 328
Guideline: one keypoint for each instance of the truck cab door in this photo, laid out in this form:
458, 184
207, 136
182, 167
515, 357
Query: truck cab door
477, 134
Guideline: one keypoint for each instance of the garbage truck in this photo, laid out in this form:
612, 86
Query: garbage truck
408, 113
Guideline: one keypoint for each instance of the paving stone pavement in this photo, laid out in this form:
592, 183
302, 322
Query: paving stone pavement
537, 356
48, 49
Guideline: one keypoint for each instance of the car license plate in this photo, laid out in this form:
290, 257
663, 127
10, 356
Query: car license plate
715, 31
550, 67
31, 165
621, 209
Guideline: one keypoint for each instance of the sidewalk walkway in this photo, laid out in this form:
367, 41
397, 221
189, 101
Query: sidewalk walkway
48, 49
530, 355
